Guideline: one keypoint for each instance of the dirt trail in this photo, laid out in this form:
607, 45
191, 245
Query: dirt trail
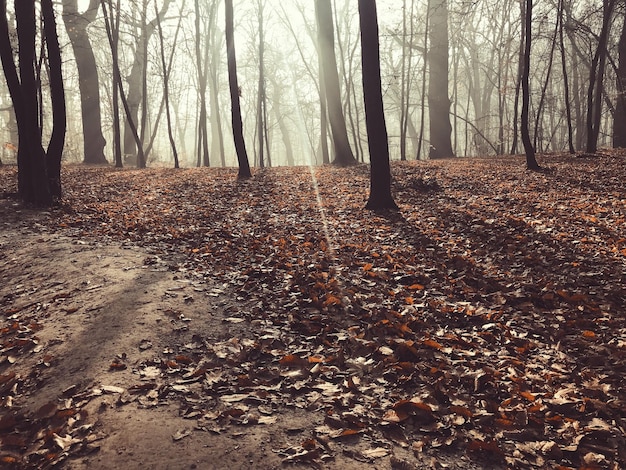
102, 311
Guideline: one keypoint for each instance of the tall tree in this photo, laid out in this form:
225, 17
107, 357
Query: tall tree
137, 79
39, 170
527, 13
262, 93
201, 69
380, 172
438, 99
619, 120
240, 143
326, 38
566, 87
112, 26
56, 144
166, 87
596, 79
76, 25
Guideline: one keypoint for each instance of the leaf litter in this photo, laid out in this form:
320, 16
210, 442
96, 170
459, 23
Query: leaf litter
486, 318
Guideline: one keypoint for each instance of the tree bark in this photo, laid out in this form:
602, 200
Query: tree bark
380, 172
596, 80
566, 89
203, 144
240, 144
136, 80
343, 152
57, 92
111, 24
438, 99
88, 82
166, 88
531, 161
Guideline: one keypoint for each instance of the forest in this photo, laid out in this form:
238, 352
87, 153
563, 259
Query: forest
325, 234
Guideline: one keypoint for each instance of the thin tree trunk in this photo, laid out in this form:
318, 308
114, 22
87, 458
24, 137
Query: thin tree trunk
112, 35
568, 108
240, 144
531, 161
57, 92
424, 74
596, 80
166, 91
380, 172
343, 152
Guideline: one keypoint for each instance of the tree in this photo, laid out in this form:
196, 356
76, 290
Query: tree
438, 100
261, 96
240, 144
596, 79
137, 83
201, 69
166, 88
619, 120
112, 25
39, 169
380, 172
566, 89
330, 76
527, 13
76, 25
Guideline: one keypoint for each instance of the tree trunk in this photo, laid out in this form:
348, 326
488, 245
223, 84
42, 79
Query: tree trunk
531, 161
566, 91
261, 88
57, 92
596, 80
343, 152
438, 100
217, 141
136, 80
76, 26
112, 24
380, 172
240, 144
166, 89
203, 134
420, 140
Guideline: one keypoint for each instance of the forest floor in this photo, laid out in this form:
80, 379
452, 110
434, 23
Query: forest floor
173, 319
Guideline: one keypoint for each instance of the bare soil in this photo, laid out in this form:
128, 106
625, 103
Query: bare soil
103, 310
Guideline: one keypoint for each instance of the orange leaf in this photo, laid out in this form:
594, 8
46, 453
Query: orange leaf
291, 360
461, 410
432, 343
589, 334
368, 267
416, 287
529, 396
331, 300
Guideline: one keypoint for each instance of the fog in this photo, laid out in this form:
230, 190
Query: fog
281, 113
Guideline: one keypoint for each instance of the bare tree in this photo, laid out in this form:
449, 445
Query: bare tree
343, 152
596, 79
240, 144
166, 88
380, 172
527, 13
438, 99
76, 25
39, 169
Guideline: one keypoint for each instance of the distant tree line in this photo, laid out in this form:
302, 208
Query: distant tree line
456, 78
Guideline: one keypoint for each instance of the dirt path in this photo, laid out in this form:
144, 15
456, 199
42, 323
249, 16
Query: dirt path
101, 314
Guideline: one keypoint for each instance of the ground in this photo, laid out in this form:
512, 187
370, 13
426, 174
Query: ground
164, 319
